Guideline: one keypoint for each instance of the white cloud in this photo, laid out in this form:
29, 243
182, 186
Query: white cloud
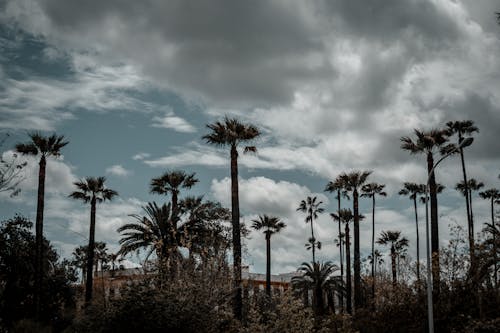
170, 120
118, 170
140, 156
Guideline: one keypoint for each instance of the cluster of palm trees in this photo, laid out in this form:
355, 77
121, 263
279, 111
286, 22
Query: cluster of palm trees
194, 224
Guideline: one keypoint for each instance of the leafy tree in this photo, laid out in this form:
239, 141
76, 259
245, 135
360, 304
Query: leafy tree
464, 129
92, 190
17, 262
312, 208
393, 238
171, 182
318, 278
413, 190
337, 187
10, 172
353, 182
271, 226
44, 147
370, 191
345, 216
428, 142
231, 132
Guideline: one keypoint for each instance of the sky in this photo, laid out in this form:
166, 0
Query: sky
332, 85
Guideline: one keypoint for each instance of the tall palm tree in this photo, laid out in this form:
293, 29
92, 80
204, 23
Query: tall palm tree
318, 278
271, 225
171, 182
43, 146
464, 129
92, 190
345, 216
393, 238
231, 132
353, 181
493, 195
379, 260
413, 190
337, 186
466, 190
371, 190
428, 142
312, 208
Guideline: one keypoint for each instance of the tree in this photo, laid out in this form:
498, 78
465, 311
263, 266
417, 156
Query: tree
464, 129
466, 190
353, 181
271, 225
413, 190
370, 191
171, 182
318, 278
493, 195
393, 238
44, 147
428, 142
231, 132
345, 216
337, 186
10, 172
312, 208
91, 190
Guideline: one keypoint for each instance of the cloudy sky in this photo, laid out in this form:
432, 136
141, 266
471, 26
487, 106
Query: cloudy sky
332, 85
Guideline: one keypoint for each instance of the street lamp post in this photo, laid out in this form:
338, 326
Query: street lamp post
430, 311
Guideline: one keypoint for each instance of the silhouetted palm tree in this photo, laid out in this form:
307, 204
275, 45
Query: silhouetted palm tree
393, 239
353, 181
312, 208
92, 190
370, 191
428, 142
337, 186
43, 146
413, 190
231, 132
464, 129
318, 278
466, 190
271, 225
493, 195
345, 216
170, 183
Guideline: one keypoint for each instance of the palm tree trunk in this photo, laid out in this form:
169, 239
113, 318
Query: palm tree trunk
313, 241
373, 246
471, 214
39, 236
90, 253
341, 295
235, 214
467, 203
434, 227
348, 270
393, 266
494, 240
418, 240
357, 259
268, 265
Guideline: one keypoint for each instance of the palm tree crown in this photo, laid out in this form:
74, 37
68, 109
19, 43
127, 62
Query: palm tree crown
93, 188
270, 224
41, 145
172, 181
231, 132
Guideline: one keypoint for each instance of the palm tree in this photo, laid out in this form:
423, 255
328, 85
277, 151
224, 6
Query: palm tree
427, 142
379, 260
92, 190
413, 190
493, 195
464, 129
393, 239
336, 186
466, 190
370, 191
43, 146
318, 278
312, 208
231, 132
271, 225
345, 216
171, 182
353, 181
